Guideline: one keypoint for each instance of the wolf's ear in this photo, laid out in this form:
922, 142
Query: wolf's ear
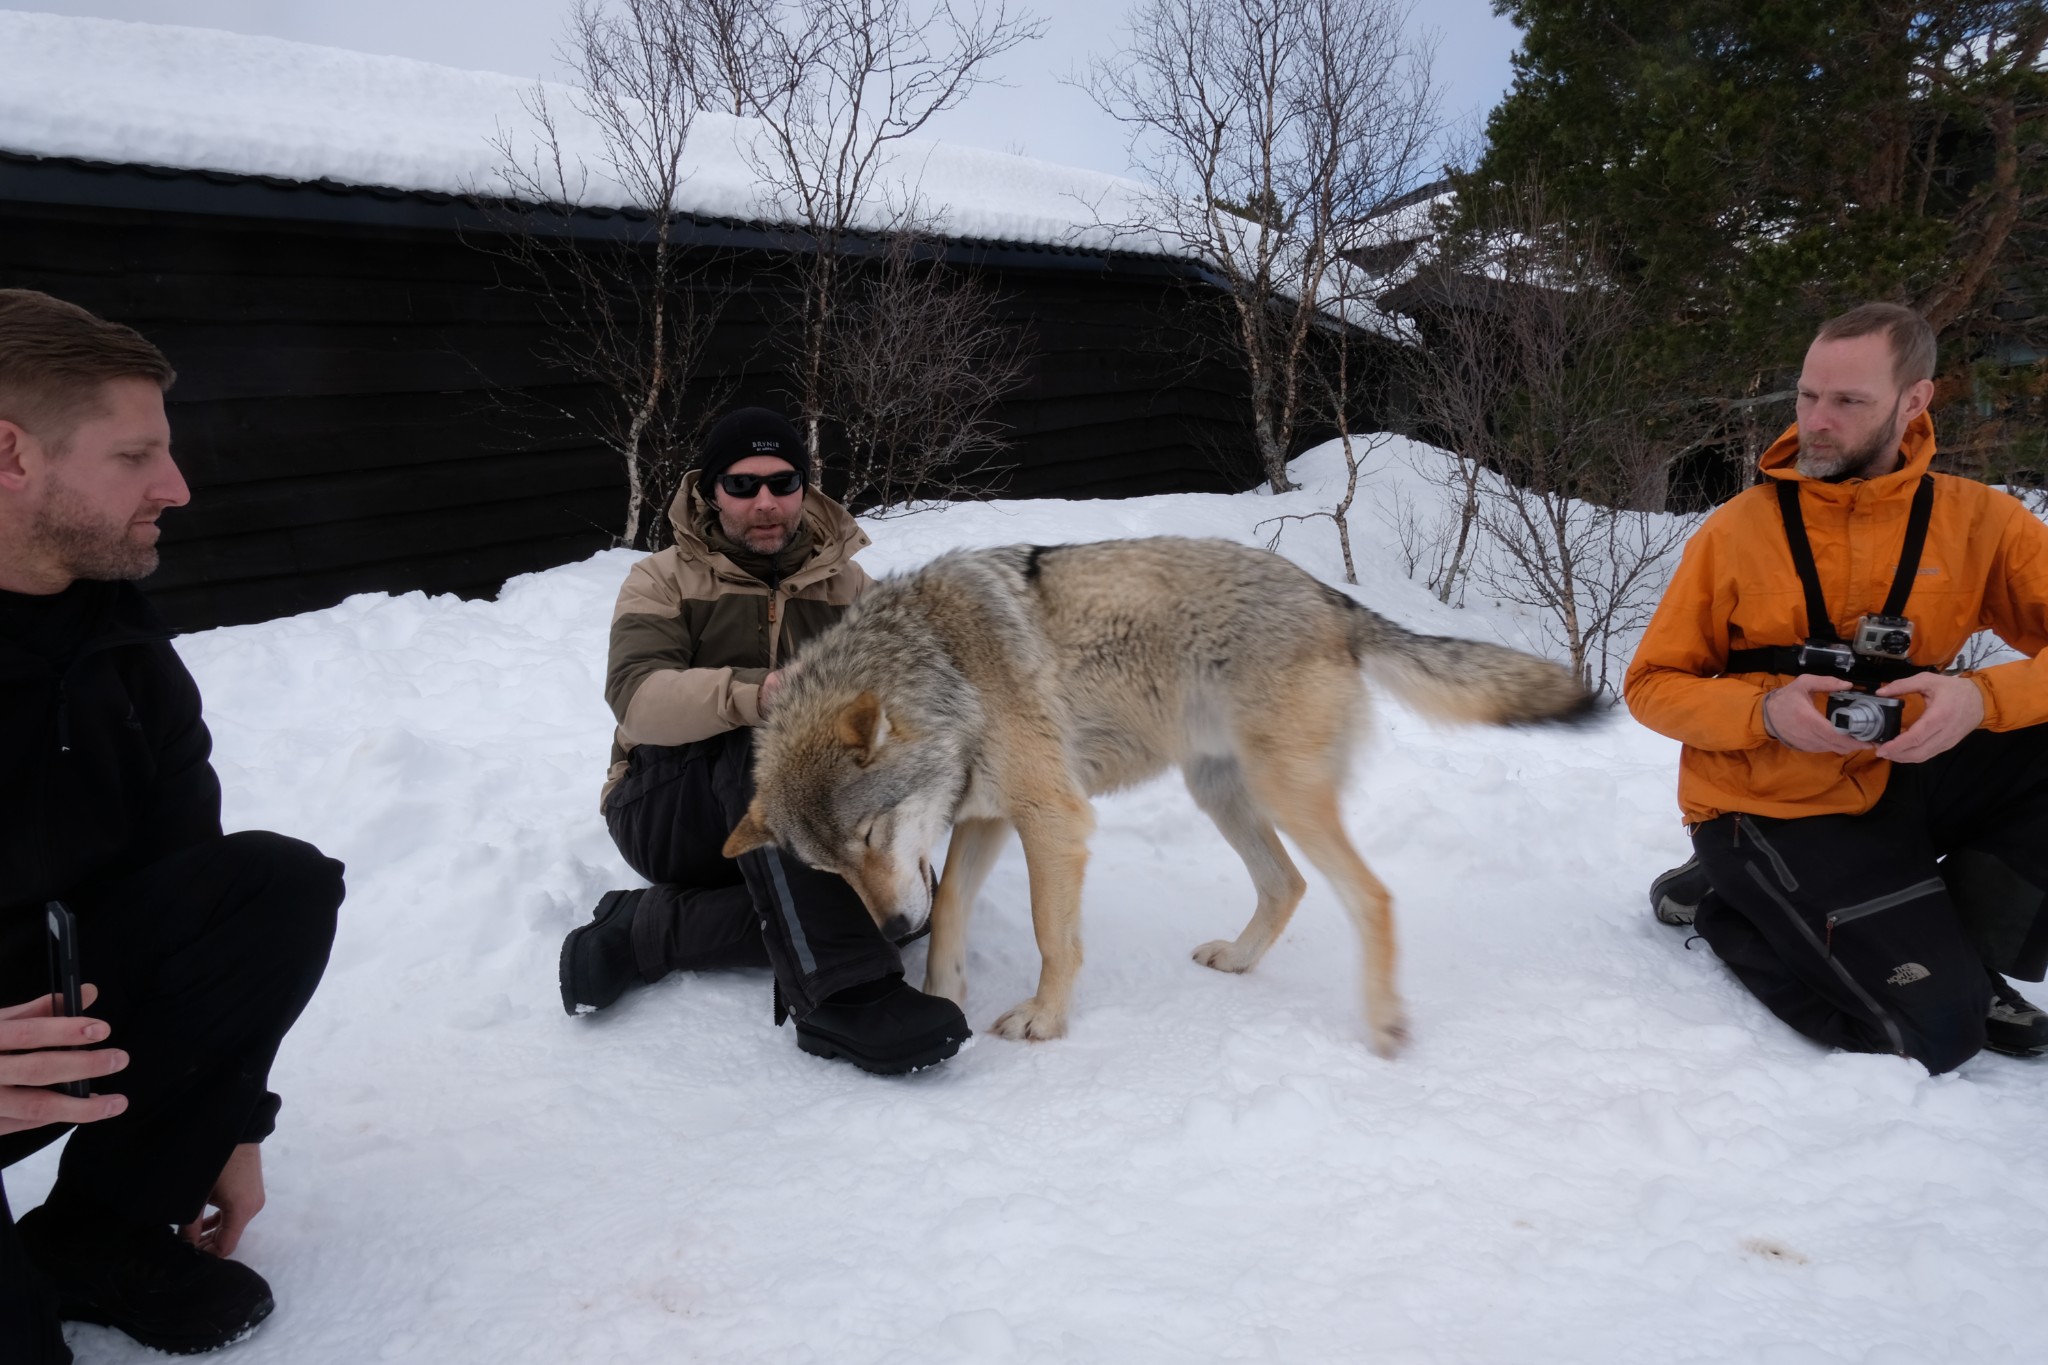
749, 834
863, 727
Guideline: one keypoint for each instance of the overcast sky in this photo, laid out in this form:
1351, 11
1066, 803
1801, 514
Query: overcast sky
1037, 115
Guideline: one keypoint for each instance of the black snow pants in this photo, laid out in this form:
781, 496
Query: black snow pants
203, 960
1874, 932
670, 816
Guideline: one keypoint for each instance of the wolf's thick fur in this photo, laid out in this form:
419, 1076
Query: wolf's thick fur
1004, 687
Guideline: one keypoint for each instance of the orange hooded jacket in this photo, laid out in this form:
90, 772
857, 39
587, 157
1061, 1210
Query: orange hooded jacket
1985, 565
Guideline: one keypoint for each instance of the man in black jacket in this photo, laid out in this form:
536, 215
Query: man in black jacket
202, 947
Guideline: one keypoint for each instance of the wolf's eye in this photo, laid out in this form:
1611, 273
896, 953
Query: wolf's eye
867, 834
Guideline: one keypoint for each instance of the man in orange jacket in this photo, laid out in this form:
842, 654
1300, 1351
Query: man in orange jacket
1870, 832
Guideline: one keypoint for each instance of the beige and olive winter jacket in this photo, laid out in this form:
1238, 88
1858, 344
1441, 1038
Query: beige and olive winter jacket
693, 634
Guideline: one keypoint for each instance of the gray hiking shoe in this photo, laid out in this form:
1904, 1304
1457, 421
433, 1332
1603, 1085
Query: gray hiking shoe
2014, 1026
1676, 895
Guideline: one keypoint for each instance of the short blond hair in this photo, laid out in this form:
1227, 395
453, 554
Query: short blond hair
56, 356
1911, 338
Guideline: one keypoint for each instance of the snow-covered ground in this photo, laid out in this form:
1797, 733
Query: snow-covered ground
1598, 1148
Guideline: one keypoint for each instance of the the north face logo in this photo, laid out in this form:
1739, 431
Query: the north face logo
1908, 973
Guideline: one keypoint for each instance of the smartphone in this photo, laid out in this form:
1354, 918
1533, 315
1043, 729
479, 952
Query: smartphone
64, 978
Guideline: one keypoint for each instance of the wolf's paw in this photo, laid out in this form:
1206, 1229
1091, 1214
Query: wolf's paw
1031, 1022
1386, 1032
1225, 956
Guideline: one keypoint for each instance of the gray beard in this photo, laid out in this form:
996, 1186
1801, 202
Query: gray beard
1856, 462
86, 547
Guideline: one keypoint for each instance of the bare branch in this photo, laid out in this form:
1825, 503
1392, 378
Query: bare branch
1526, 370
1263, 124
624, 314
921, 362
837, 84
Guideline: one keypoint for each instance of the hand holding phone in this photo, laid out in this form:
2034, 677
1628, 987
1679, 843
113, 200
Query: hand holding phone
39, 1047
65, 984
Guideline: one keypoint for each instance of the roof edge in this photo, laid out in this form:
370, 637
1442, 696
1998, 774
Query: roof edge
60, 181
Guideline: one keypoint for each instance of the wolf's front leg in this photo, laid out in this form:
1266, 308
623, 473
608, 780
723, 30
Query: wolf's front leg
1055, 837
968, 860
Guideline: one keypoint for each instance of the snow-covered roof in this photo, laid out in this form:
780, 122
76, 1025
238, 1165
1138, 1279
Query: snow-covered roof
206, 100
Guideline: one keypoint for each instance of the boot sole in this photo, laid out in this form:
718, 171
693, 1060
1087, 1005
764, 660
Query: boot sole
1670, 912
170, 1343
2016, 1042
1676, 913
819, 1046
2006, 1050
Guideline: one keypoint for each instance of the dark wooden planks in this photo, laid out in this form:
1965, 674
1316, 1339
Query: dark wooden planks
365, 407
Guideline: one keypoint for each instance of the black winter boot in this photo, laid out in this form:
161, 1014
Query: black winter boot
885, 1027
145, 1281
597, 958
2014, 1026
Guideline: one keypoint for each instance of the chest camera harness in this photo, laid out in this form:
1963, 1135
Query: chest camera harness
1877, 654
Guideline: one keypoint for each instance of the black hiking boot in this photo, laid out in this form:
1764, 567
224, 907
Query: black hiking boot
145, 1281
597, 958
2014, 1026
1676, 895
885, 1027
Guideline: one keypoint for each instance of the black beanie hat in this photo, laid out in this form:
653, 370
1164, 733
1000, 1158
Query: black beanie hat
746, 432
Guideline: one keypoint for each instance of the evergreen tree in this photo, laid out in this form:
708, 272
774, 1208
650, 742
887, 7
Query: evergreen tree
1757, 165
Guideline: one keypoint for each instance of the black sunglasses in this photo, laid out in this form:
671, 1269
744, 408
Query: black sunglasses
781, 483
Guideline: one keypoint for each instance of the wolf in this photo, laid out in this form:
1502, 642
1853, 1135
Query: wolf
999, 689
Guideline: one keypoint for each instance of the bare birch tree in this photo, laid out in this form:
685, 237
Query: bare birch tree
1330, 385
621, 312
837, 86
1527, 373
921, 362
1263, 124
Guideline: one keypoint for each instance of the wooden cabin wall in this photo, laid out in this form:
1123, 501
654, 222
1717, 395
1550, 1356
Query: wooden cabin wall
362, 408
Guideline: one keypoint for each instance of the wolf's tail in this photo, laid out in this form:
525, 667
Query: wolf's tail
1465, 680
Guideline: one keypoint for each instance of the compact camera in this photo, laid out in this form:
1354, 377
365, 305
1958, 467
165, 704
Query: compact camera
1883, 637
1865, 715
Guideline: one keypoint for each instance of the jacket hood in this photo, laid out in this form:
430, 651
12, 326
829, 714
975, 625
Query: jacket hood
1781, 461
835, 536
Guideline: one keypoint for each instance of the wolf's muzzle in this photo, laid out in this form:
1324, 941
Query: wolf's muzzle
901, 929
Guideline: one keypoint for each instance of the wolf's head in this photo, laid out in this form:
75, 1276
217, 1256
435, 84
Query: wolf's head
859, 787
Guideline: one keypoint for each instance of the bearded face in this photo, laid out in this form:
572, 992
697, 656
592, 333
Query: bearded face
1844, 453
86, 501
764, 521
1854, 409
93, 541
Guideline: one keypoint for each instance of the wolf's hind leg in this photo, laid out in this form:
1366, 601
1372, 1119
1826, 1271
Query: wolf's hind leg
969, 857
1218, 786
1304, 805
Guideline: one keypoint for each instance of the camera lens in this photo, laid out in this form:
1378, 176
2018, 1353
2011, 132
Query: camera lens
1861, 716
1895, 642
1853, 717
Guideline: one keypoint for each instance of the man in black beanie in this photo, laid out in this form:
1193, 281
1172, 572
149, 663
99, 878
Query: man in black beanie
761, 563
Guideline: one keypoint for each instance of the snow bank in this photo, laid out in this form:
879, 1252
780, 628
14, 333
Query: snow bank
1598, 1150
201, 99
